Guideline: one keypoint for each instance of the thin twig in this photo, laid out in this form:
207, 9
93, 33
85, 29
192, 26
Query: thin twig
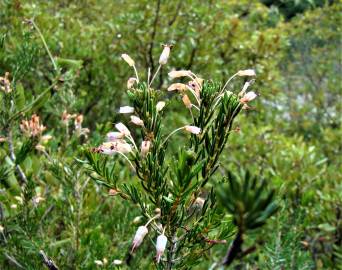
47, 261
21, 175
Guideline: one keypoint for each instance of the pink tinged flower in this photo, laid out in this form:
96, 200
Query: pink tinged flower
248, 97
123, 147
193, 129
165, 54
160, 246
139, 237
186, 101
123, 129
177, 86
126, 109
246, 72
160, 105
110, 148
128, 59
179, 73
145, 147
131, 82
113, 136
136, 120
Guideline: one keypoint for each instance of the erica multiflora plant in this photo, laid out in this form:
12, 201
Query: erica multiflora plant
170, 188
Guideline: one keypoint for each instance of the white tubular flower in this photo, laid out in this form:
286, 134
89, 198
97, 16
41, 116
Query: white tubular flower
136, 120
131, 82
123, 147
177, 86
196, 85
179, 73
139, 237
160, 246
128, 59
244, 89
107, 148
186, 101
160, 105
123, 129
98, 262
193, 129
126, 109
248, 97
165, 54
117, 262
145, 148
246, 72
113, 136
110, 148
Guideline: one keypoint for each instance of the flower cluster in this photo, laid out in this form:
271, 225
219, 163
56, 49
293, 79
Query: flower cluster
32, 127
142, 232
5, 84
193, 91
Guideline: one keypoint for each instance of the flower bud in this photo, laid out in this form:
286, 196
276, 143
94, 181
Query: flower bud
145, 147
179, 73
123, 147
112, 192
139, 237
187, 101
126, 109
199, 202
98, 262
177, 86
113, 136
136, 120
160, 246
248, 97
40, 147
246, 72
193, 129
131, 82
123, 129
165, 54
117, 262
160, 105
137, 220
128, 59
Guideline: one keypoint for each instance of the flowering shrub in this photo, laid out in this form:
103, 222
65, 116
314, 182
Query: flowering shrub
180, 210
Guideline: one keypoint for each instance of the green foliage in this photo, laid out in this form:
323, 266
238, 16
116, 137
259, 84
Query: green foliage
77, 206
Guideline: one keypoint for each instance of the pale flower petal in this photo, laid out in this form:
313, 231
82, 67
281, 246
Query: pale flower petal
139, 237
128, 59
160, 105
126, 109
179, 73
131, 82
246, 72
113, 136
193, 129
165, 54
123, 129
136, 120
177, 86
248, 97
145, 147
160, 246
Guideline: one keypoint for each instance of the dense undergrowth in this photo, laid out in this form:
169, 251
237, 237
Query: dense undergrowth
66, 82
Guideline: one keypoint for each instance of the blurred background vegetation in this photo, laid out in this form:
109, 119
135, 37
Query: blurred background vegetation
292, 136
